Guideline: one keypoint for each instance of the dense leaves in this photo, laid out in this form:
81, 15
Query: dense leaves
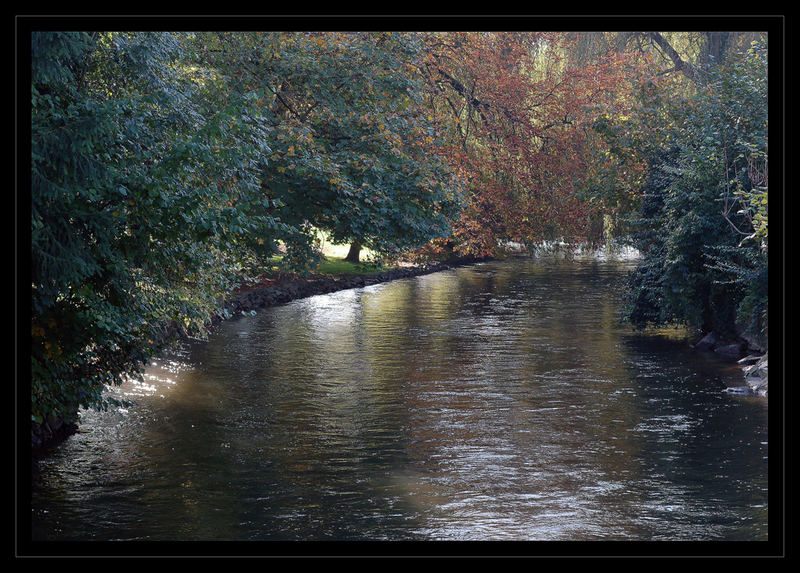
520, 114
138, 195
354, 150
163, 164
703, 218
165, 167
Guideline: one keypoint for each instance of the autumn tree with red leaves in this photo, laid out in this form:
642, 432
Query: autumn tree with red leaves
520, 117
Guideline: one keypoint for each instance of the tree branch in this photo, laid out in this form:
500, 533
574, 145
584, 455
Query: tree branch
685, 68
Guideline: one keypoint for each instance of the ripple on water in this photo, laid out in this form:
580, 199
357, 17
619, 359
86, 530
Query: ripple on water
502, 401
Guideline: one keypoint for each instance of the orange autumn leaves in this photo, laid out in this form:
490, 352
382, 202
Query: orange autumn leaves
521, 135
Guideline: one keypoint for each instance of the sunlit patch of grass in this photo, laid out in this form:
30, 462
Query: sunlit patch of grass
332, 261
273, 264
328, 265
330, 249
338, 266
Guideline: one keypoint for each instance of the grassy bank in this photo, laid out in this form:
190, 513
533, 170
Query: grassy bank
332, 263
328, 266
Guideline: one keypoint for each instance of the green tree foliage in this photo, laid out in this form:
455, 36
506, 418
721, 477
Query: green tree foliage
354, 150
141, 185
703, 210
162, 164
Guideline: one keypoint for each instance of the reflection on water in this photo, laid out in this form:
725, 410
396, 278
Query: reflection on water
501, 401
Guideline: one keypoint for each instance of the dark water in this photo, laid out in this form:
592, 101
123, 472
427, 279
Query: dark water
501, 401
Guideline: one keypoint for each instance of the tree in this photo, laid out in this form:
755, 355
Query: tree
519, 113
703, 210
354, 150
163, 163
141, 185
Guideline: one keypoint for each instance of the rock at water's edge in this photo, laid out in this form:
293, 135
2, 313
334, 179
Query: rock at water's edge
734, 349
757, 376
749, 360
708, 342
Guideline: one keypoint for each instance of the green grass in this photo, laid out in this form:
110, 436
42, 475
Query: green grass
330, 265
338, 266
337, 251
333, 262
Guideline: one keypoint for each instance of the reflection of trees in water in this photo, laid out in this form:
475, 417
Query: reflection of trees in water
502, 399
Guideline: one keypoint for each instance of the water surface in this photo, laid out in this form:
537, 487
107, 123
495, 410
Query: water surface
500, 401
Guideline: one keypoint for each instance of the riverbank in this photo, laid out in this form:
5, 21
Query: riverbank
275, 290
750, 356
269, 290
756, 374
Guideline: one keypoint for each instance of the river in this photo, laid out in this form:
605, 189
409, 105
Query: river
499, 401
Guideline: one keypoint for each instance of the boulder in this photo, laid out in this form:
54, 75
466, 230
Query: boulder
757, 376
708, 342
750, 370
50, 433
733, 349
750, 359
753, 345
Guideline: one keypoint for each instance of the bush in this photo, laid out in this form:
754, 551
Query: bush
702, 236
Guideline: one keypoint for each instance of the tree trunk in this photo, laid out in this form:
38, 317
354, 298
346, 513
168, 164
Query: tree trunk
685, 68
716, 46
353, 253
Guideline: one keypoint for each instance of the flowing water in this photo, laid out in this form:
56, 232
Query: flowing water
499, 401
